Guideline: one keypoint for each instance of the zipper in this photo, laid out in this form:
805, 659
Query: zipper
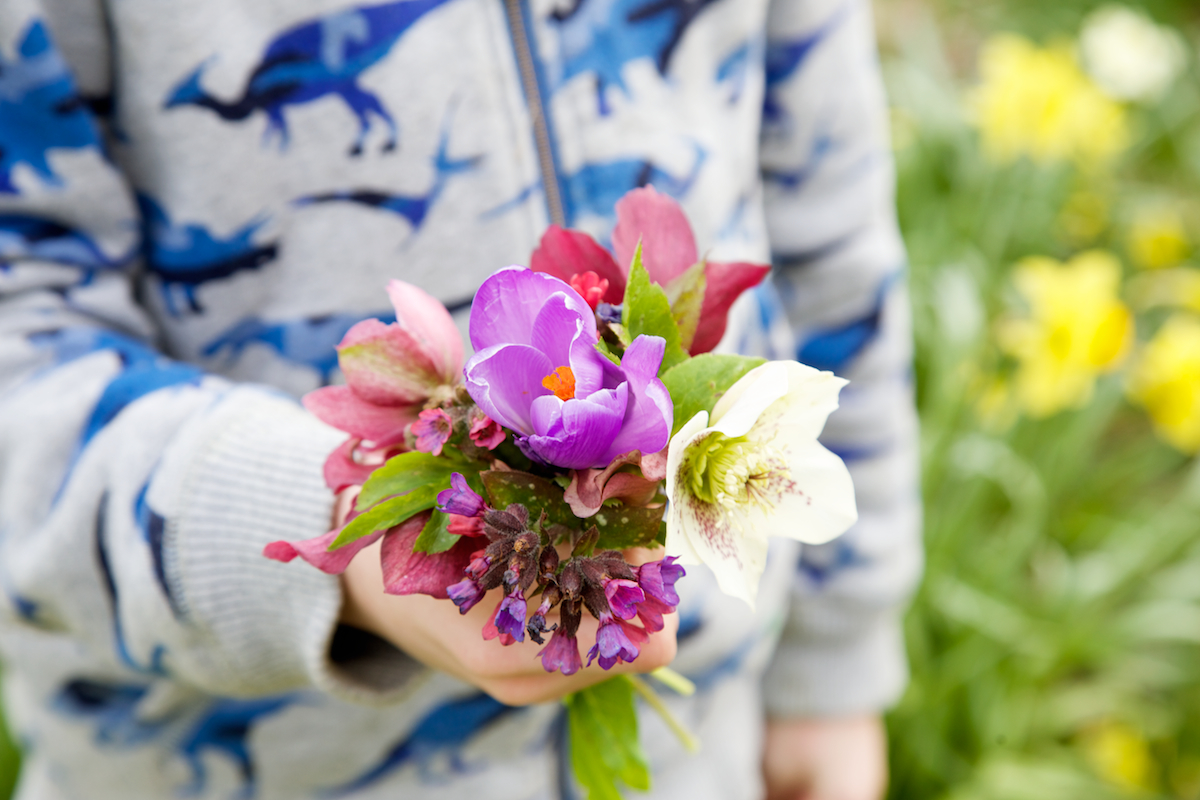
519, 32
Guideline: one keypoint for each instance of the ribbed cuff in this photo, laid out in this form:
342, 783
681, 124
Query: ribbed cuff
267, 626
865, 674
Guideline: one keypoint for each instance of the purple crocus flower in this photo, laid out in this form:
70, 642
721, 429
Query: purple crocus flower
510, 615
623, 597
562, 654
612, 644
536, 371
657, 579
460, 498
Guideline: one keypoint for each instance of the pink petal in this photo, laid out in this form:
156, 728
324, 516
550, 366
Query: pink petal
406, 572
431, 324
315, 551
389, 365
342, 408
654, 465
668, 245
341, 470
724, 283
567, 253
589, 488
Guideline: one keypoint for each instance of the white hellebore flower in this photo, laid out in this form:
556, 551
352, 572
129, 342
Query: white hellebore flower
757, 471
1129, 55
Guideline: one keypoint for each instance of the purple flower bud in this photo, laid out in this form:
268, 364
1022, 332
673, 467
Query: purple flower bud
657, 579
623, 597
460, 498
465, 594
562, 654
480, 563
510, 615
612, 644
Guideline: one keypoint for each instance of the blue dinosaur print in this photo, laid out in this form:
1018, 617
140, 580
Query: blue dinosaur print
27, 238
153, 528
445, 730
785, 57
40, 109
112, 707
602, 36
834, 348
155, 665
820, 563
324, 56
412, 208
309, 341
224, 729
186, 256
735, 68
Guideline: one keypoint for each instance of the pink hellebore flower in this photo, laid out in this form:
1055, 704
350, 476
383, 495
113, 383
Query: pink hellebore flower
668, 249
392, 370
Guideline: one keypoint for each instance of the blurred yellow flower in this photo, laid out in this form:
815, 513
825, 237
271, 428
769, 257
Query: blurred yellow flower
1119, 754
1077, 329
1084, 216
1171, 288
1157, 239
1036, 101
1166, 381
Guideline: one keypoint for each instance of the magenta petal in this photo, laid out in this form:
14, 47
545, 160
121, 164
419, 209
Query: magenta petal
556, 330
650, 412
588, 426
406, 572
724, 283
668, 245
505, 379
567, 253
508, 302
340, 407
315, 551
341, 470
428, 321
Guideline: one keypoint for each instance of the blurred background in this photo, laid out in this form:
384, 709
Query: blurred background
1049, 159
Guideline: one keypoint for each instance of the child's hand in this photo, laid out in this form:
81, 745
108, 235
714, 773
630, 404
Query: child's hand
433, 632
834, 758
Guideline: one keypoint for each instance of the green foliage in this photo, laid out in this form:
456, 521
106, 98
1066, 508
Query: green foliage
434, 537
390, 512
535, 493
646, 310
686, 295
407, 471
697, 384
603, 727
623, 526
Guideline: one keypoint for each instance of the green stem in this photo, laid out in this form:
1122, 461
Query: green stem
673, 680
686, 737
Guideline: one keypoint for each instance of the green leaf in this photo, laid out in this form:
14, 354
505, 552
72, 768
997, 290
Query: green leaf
407, 471
625, 526
686, 294
603, 726
646, 310
602, 347
390, 512
698, 383
435, 538
535, 493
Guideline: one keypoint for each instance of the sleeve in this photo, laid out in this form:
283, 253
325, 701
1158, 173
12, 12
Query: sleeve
136, 492
838, 290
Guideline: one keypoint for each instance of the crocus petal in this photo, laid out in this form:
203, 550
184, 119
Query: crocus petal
315, 551
388, 365
341, 470
668, 245
567, 253
503, 380
648, 418
340, 407
406, 572
587, 428
723, 284
508, 302
428, 321
568, 338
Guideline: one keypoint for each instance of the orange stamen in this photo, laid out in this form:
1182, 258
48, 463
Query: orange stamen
561, 382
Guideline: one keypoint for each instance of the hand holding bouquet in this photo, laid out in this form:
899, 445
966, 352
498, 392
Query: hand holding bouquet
591, 419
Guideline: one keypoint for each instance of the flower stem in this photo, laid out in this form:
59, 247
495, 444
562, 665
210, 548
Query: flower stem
673, 680
686, 737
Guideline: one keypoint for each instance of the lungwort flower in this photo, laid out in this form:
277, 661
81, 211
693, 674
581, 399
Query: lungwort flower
756, 470
1077, 329
668, 249
537, 371
1166, 381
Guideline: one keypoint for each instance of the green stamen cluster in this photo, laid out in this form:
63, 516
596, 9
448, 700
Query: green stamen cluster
724, 470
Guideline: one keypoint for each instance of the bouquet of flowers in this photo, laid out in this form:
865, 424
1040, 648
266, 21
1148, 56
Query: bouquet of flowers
591, 419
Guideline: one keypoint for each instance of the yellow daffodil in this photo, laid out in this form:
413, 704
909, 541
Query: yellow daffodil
1036, 101
1166, 381
756, 470
1120, 755
1158, 239
1077, 329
